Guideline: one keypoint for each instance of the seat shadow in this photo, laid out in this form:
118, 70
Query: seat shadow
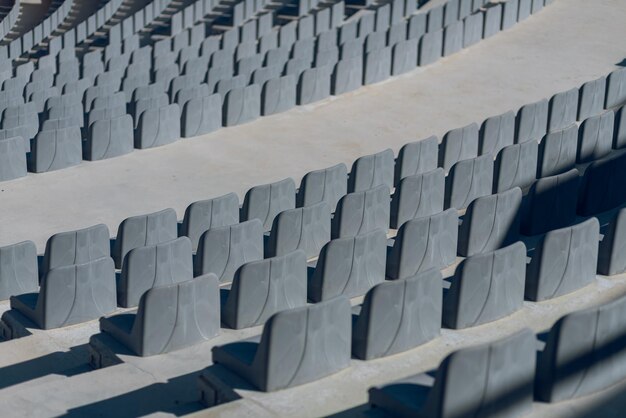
64, 363
178, 396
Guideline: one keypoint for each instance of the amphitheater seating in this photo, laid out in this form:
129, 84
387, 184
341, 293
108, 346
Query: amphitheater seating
530, 201
465, 383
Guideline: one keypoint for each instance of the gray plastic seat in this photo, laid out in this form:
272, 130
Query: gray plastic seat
397, 316
469, 180
18, 269
76, 247
146, 267
490, 222
416, 158
557, 152
12, 158
430, 47
56, 149
157, 127
169, 317
496, 133
602, 187
348, 74
595, 137
422, 244
531, 121
370, 171
362, 212
458, 144
297, 346
142, 230
583, 354
266, 201
563, 109
615, 89
206, 214
591, 98
325, 185
71, 295
262, 288
278, 94
201, 115
306, 229
515, 166
612, 249
565, 260
222, 250
349, 266
241, 105
550, 203
109, 138
470, 382
486, 287
417, 196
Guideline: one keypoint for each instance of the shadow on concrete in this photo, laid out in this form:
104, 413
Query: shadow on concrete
64, 363
178, 396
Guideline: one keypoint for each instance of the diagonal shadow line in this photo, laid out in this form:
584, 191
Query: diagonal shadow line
65, 363
178, 396
615, 347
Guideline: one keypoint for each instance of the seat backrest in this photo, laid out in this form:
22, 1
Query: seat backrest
467, 180
565, 260
222, 250
304, 344
417, 196
154, 265
77, 293
584, 353
76, 247
457, 145
349, 266
516, 166
372, 170
486, 287
386, 322
178, 315
142, 230
416, 158
18, 269
206, 214
551, 203
306, 229
264, 287
326, 185
494, 379
362, 212
266, 201
424, 243
490, 222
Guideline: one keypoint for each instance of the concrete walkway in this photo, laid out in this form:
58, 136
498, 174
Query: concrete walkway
566, 44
